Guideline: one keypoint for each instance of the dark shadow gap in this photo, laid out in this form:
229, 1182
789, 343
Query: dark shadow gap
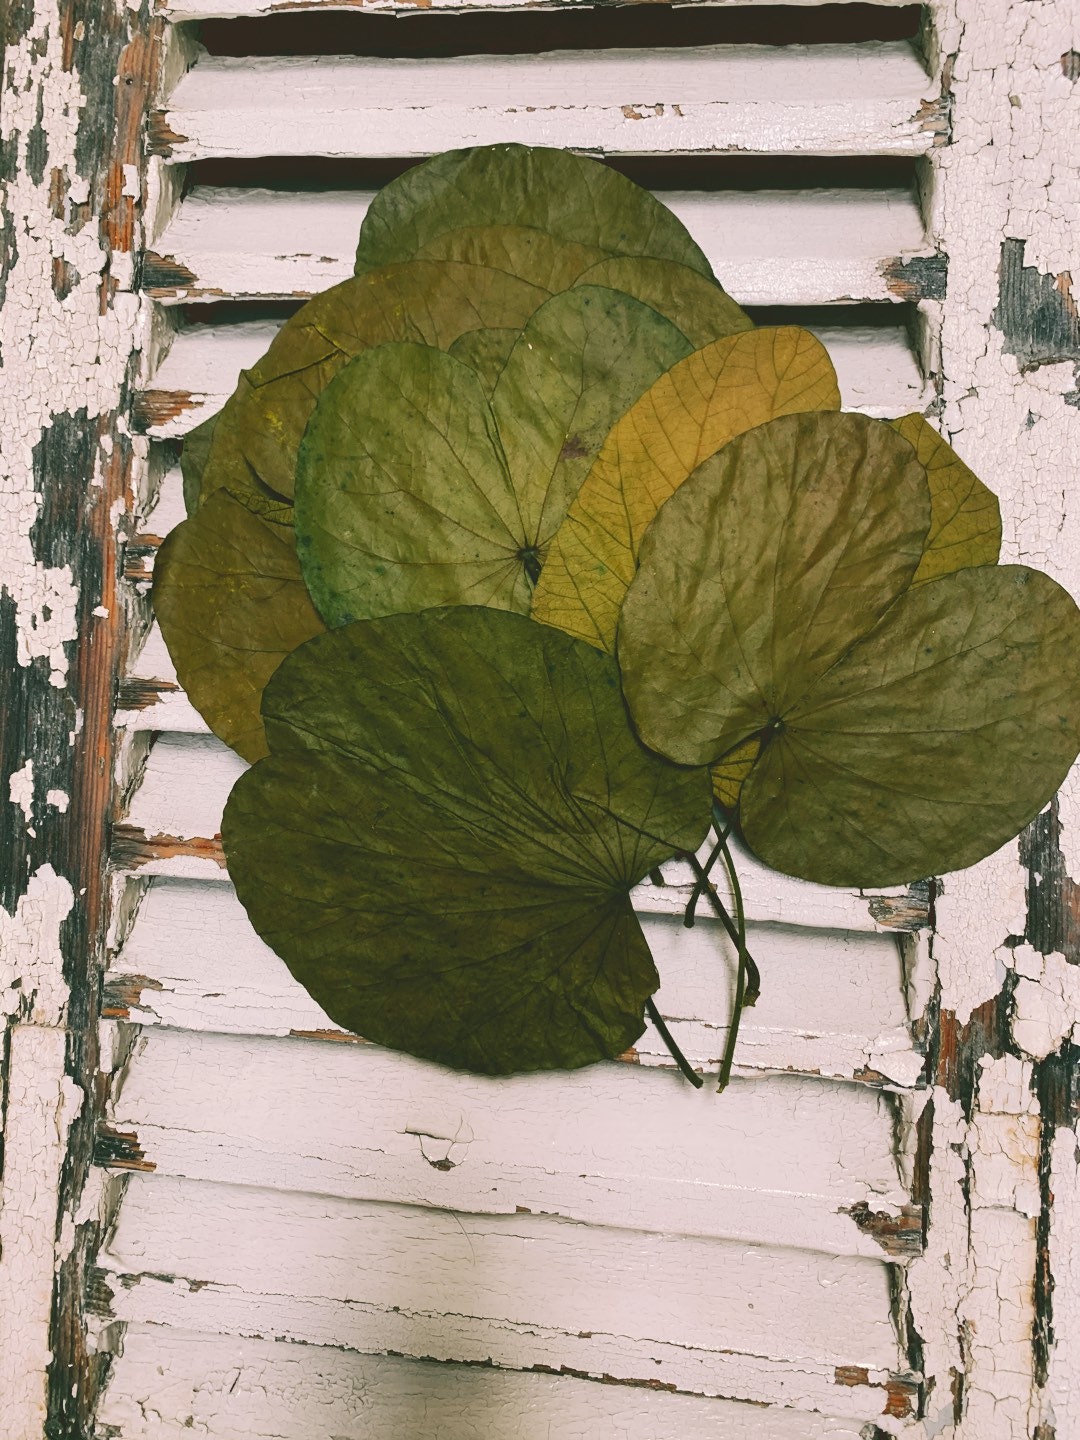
578, 27
655, 172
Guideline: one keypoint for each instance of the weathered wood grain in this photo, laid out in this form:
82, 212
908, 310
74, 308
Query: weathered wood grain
520, 1291
228, 1388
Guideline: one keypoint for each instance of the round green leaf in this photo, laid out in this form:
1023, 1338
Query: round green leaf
692, 301
432, 303
965, 521
763, 568
231, 604
582, 360
193, 460
932, 742
403, 498
486, 352
574, 200
442, 842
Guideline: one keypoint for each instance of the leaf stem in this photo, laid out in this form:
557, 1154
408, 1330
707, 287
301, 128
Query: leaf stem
668, 1039
722, 831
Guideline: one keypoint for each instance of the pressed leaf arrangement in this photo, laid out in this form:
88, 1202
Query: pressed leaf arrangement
522, 559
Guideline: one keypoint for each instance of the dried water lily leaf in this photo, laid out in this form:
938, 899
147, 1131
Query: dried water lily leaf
932, 742
430, 302
403, 497
576, 201
582, 360
193, 460
771, 561
486, 352
231, 604
450, 877
690, 413
692, 301
965, 519
731, 770
530, 254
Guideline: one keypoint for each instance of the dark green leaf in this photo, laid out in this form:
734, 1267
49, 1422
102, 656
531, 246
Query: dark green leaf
231, 604
486, 352
193, 460
442, 842
574, 200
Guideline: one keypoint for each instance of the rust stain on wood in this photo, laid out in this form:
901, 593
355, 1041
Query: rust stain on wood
160, 136
139, 557
961, 1047
910, 911
132, 848
337, 1037
919, 277
934, 117
135, 694
899, 1235
120, 994
901, 1391
159, 407
120, 1150
164, 275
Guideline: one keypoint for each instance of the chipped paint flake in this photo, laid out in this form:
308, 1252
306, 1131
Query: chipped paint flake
61, 356
21, 791
42, 1103
31, 963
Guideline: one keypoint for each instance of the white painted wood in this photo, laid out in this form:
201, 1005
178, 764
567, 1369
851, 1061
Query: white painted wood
777, 1160
820, 99
767, 248
181, 10
41, 1103
876, 367
708, 1316
171, 1384
832, 1003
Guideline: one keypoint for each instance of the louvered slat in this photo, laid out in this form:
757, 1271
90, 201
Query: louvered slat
821, 100
816, 247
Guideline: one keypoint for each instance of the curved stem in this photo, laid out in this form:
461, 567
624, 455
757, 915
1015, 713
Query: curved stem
676, 1054
703, 872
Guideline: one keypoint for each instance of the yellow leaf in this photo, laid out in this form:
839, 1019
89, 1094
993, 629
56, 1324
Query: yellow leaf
731, 770
691, 412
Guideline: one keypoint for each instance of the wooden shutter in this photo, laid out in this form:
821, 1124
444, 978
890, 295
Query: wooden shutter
289, 1233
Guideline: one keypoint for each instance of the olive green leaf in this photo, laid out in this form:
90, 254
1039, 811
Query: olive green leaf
770, 562
965, 521
193, 460
530, 254
582, 361
231, 604
932, 742
412, 491
573, 200
486, 352
442, 842
433, 303
690, 300
403, 498
687, 415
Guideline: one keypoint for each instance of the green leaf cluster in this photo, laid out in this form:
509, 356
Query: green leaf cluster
520, 557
